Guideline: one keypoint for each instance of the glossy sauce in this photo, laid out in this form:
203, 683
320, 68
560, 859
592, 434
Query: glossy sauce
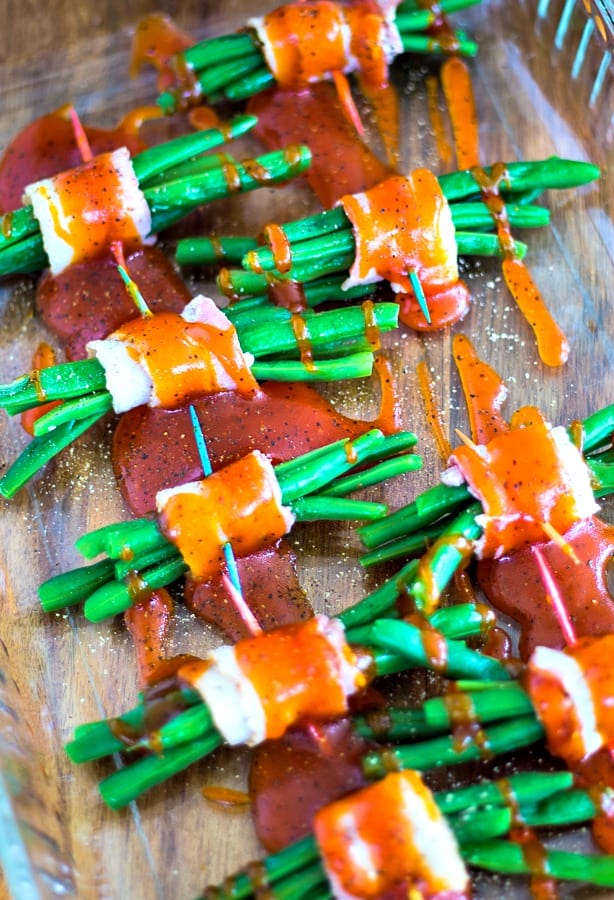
277, 240
402, 224
513, 586
542, 887
91, 208
156, 41
294, 776
425, 570
373, 842
458, 91
593, 769
341, 162
270, 587
183, 358
523, 482
484, 391
48, 146
444, 150
305, 42
238, 504
88, 301
446, 307
551, 342
155, 449
297, 673
465, 724
433, 413
149, 623
43, 358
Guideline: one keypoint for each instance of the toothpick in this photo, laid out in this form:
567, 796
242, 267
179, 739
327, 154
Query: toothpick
555, 597
203, 453
466, 440
557, 538
347, 101
135, 295
238, 601
83, 145
420, 295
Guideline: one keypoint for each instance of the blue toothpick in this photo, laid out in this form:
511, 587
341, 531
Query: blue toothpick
420, 297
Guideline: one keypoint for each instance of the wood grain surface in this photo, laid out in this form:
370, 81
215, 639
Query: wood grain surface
58, 671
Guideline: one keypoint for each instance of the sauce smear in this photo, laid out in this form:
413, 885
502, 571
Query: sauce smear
341, 162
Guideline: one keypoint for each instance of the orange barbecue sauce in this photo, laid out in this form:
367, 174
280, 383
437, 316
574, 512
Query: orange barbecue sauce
458, 91
311, 41
157, 40
484, 391
149, 623
306, 41
43, 358
93, 212
378, 821
296, 672
236, 505
404, 224
180, 356
551, 342
521, 482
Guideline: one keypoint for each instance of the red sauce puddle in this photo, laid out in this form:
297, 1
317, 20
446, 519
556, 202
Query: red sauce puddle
270, 587
48, 146
155, 449
293, 777
149, 623
88, 301
513, 586
342, 163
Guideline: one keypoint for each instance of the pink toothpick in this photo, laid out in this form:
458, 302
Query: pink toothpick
238, 601
555, 597
83, 145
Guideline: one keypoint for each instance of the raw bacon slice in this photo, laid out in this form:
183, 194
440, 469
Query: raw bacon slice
82, 211
403, 224
387, 836
165, 360
263, 685
307, 42
530, 481
240, 504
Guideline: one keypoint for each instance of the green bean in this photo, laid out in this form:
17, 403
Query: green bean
124, 786
444, 751
39, 451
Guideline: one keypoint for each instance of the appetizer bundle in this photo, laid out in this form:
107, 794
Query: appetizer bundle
248, 504
77, 215
407, 231
522, 486
266, 685
411, 837
298, 44
165, 360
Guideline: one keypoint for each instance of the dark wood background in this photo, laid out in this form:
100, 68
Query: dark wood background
59, 671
